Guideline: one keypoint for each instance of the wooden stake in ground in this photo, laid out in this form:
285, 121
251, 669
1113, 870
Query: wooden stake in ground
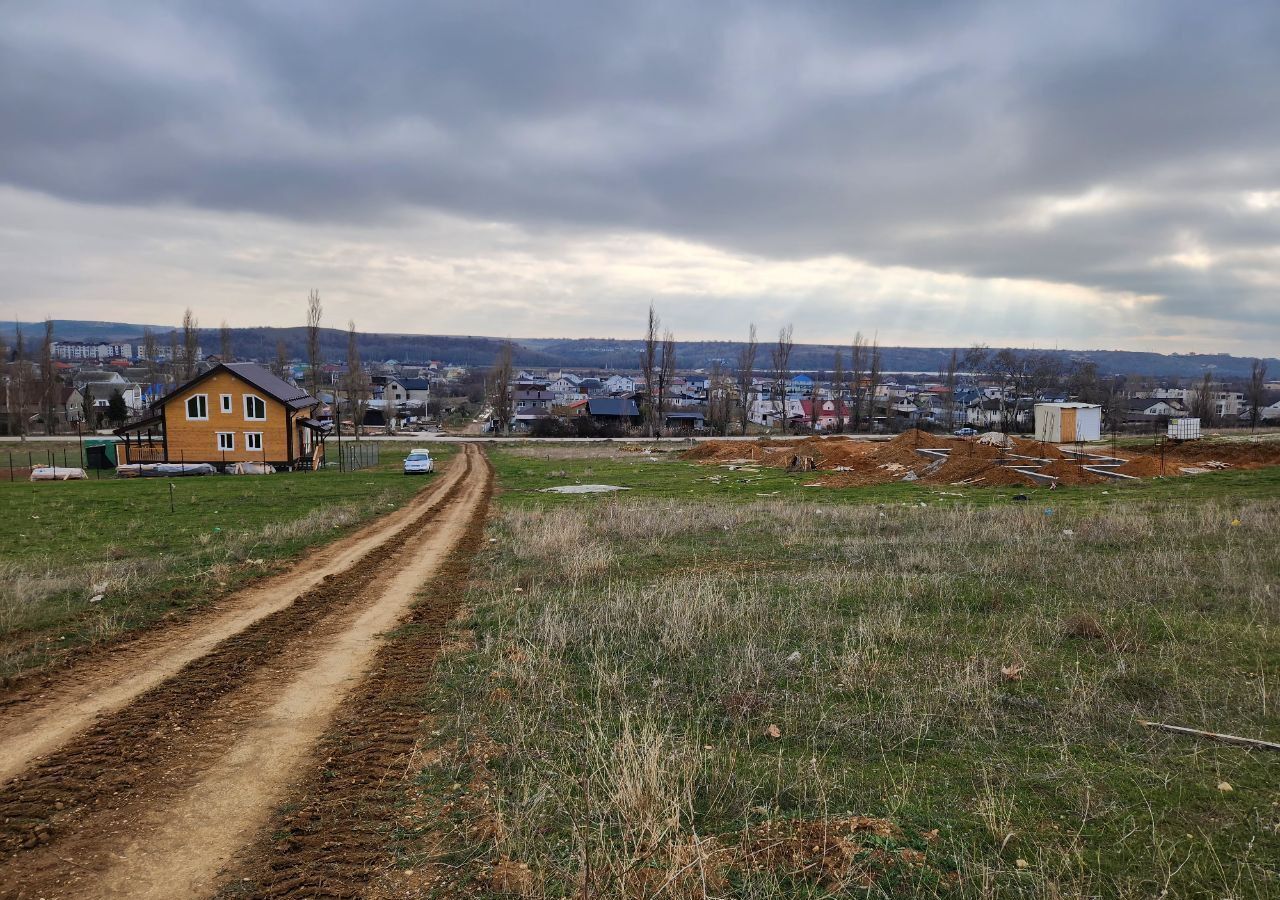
1213, 735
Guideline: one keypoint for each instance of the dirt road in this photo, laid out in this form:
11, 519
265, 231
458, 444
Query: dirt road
146, 776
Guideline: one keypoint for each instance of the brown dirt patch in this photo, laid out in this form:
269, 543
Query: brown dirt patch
88, 799
339, 838
842, 462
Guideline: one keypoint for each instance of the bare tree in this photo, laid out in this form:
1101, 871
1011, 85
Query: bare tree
175, 354
649, 366
1204, 403
815, 402
666, 374
949, 414
873, 381
224, 341
314, 311
1255, 392
87, 409
7, 372
150, 350
6, 375
1083, 383
717, 400
1113, 404
48, 381
838, 390
974, 361
780, 358
19, 384
857, 371
190, 344
746, 375
500, 392
1009, 366
282, 364
357, 382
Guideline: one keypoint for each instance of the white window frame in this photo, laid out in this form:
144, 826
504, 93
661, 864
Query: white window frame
230, 442
228, 403
249, 441
249, 398
204, 401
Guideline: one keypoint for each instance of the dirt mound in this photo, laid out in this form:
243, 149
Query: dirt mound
1238, 454
706, 450
914, 437
1146, 467
1042, 449
974, 470
856, 463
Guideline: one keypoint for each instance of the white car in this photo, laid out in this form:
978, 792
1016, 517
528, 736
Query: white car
418, 462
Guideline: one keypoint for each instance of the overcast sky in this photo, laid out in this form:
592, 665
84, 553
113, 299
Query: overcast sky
1086, 175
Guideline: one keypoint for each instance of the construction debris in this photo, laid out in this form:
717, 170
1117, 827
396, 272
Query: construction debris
57, 473
1212, 735
992, 459
583, 489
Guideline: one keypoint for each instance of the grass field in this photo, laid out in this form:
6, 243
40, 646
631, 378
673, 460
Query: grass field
65, 542
689, 689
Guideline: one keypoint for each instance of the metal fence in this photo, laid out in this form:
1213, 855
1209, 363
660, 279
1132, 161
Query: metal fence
19, 463
353, 455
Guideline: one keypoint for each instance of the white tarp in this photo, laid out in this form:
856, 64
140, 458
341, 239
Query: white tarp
251, 468
583, 489
57, 473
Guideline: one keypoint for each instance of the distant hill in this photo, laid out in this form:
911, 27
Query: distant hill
84, 330
586, 352
612, 353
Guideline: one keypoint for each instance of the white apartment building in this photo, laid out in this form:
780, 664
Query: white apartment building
81, 350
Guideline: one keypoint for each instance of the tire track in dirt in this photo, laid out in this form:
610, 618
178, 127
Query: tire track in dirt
37, 719
148, 750
336, 837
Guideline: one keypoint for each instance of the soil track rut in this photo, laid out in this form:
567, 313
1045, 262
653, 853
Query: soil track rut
155, 797
43, 717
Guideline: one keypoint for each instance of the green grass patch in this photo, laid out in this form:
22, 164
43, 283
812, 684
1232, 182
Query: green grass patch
662, 677
61, 540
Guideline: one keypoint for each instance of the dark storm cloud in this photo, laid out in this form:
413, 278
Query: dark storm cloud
956, 137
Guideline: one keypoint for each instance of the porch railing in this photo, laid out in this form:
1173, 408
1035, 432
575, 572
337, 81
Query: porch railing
143, 453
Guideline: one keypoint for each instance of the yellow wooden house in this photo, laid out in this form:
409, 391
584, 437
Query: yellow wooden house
235, 412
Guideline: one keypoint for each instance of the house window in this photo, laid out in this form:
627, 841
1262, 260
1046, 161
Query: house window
255, 408
198, 406
226, 440
253, 440
226, 403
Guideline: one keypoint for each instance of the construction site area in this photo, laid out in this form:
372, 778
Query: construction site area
991, 459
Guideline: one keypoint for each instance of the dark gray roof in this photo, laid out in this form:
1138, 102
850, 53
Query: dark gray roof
1140, 404
415, 384
264, 380
612, 406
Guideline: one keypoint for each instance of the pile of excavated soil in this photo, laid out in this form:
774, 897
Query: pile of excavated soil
1237, 454
1147, 467
975, 470
1027, 447
843, 462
